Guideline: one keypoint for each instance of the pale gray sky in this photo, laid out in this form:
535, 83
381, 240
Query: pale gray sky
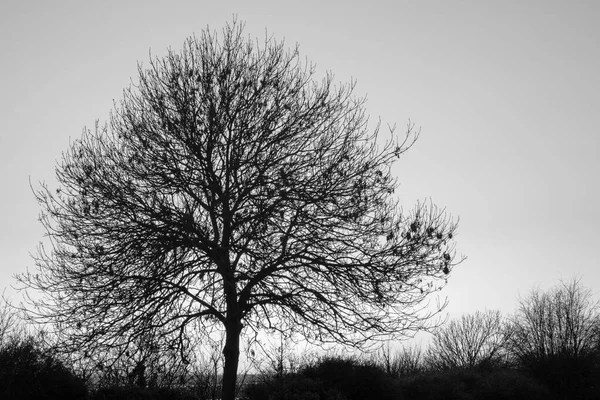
506, 93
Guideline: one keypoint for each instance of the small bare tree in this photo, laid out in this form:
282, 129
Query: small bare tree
472, 340
563, 321
406, 360
9, 322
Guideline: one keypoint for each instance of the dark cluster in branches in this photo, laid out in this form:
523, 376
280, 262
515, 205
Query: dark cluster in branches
231, 188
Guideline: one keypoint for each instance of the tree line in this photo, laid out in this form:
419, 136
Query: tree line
548, 348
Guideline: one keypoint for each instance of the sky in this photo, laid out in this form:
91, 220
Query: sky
506, 94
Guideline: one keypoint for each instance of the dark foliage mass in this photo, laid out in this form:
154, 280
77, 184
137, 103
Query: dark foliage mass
233, 190
472, 384
347, 379
330, 378
28, 371
132, 392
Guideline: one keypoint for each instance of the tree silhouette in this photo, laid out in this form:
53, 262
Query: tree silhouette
232, 189
474, 340
11, 327
555, 336
563, 321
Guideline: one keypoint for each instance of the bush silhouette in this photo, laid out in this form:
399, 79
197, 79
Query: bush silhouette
572, 377
328, 379
29, 372
354, 380
288, 387
447, 385
347, 379
499, 384
511, 385
132, 392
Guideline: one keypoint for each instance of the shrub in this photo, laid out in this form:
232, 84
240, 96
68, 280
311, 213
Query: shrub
131, 392
511, 385
474, 340
287, 387
449, 385
27, 371
554, 336
499, 384
352, 379
328, 379
406, 361
564, 321
569, 376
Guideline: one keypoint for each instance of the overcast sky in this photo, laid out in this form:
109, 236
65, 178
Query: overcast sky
506, 94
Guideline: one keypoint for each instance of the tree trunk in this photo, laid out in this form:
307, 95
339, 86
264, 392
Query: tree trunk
231, 353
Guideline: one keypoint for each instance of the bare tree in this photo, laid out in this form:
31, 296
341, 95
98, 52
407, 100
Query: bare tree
207, 375
231, 190
470, 341
11, 327
563, 321
404, 361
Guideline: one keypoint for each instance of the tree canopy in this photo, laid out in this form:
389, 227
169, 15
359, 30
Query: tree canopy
232, 189
473, 340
